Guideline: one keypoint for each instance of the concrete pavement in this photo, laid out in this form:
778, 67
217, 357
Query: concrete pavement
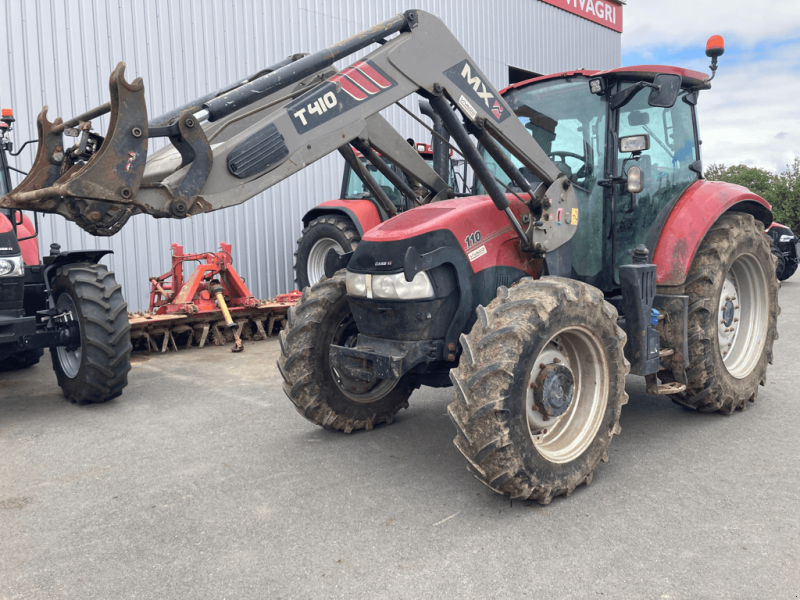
202, 481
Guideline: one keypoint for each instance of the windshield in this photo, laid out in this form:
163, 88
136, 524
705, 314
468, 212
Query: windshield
569, 123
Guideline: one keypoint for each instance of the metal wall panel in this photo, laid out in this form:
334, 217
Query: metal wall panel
62, 53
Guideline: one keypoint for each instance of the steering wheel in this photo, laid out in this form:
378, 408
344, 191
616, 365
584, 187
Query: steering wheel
584, 171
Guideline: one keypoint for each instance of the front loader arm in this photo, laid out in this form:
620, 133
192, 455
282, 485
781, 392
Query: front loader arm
259, 133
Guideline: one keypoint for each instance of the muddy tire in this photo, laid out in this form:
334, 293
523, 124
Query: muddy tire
97, 371
321, 318
329, 232
533, 336
780, 266
733, 314
21, 360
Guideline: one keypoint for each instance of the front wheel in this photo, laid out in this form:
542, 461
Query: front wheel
323, 396
539, 388
733, 315
97, 369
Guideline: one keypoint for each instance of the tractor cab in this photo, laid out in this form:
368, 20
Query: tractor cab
597, 127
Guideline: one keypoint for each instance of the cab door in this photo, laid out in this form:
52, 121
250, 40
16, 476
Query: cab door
669, 166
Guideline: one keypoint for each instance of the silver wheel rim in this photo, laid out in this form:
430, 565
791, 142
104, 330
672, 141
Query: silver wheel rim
70, 360
564, 438
316, 258
742, 316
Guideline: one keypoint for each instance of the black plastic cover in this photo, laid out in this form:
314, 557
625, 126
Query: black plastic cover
262, 151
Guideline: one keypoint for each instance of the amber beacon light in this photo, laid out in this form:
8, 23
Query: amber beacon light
715, 47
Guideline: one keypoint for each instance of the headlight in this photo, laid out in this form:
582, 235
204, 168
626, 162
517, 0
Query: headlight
357, 285
786, 238
389, 287
12, 266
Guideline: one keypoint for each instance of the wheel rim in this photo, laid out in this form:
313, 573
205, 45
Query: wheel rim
70, 360
363, 392
743, 314
564, 437
316, 258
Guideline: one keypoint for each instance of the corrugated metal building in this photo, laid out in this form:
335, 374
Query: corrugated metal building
62, 53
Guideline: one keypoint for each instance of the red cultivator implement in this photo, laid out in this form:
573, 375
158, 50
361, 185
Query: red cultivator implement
212, 304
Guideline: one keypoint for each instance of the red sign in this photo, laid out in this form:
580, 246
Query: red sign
602, 12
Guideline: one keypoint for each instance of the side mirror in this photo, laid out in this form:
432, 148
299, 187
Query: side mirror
635, 183
634, 143
666, 90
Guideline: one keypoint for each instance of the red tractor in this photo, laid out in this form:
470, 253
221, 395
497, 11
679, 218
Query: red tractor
667, 275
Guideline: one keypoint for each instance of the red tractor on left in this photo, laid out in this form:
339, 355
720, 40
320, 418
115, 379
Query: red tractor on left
68, 302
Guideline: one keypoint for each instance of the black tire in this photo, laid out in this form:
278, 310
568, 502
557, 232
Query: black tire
322, 233
522, 328
780, 265
98, 370
787, 271
732, 248
321, 318
21, 360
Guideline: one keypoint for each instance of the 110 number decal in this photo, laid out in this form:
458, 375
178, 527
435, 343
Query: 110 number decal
472, 239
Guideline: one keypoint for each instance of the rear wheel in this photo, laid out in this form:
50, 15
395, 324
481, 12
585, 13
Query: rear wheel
733, 313
324, 234
97, 369
319, 393
539, 388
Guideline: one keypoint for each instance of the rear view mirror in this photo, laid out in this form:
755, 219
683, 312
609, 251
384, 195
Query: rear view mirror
666, 89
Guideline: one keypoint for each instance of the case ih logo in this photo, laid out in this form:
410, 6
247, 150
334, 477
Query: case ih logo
473, 83
343, 91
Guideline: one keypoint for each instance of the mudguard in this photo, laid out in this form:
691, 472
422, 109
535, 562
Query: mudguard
690, 219
363, 213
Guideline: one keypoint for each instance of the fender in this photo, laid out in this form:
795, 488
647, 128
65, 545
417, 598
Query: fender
363, 213
694, 213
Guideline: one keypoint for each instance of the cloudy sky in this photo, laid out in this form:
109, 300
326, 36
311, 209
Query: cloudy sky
752, 113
